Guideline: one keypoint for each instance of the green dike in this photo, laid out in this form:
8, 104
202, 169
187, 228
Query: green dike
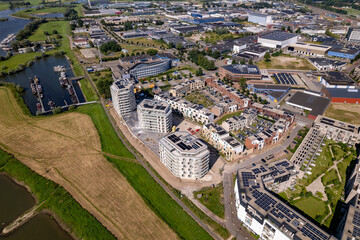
57, 199
152, 193
88, 90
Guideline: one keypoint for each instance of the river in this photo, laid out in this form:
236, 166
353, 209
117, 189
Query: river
12, 25
49, 81
15, 202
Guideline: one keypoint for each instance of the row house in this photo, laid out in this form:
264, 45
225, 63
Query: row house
221, 140
241, 100
268, 137
273, 113
187, 109
187, 87
240, 122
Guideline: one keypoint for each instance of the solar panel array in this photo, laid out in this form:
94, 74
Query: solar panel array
256, 171
263, 200
285, 78
313, 233
247, 177
356, 231
174, 138
263, 169
283, 163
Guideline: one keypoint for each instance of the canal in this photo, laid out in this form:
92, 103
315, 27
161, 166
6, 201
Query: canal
14, 201
49, 81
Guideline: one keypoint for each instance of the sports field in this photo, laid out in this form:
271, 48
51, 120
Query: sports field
67, 149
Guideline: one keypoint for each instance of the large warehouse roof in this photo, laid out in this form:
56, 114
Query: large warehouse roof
317, 104
278, 35
242, 69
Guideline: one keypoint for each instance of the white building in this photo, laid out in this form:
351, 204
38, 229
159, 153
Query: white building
184, 155
195, 112
240, 122
264, 214
353, 35
337, 80
258, 18
123, 97
277, 39
155, 116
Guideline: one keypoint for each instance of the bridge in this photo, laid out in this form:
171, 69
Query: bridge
76, 78
68, 105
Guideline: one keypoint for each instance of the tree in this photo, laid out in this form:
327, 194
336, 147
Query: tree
80, 22
111, 46
179, 46
199, 72
251, 62
267, 57
128, 26
242, 61
298, 30
152, 51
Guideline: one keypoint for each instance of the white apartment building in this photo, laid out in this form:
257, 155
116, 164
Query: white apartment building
184, 155
155, 116
277, 39
123, 97
195, 112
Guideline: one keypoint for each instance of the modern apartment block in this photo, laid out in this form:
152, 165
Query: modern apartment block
240, 122
187, 87
143, 70
266, 215
155, 116
123, 97
241, 100
184, 155
221, 139
187, 109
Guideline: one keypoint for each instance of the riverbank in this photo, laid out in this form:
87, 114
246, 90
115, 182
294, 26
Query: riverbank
69, 214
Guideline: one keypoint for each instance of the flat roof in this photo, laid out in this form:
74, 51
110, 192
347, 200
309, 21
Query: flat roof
318, 105
242, 69
344, 93
185, 142
338, 78
345, 50
310, 46
270, 87
278, 35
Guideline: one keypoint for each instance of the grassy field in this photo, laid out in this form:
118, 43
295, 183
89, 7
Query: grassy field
88, 90
60, 26
352, 11
199, 98
286, 62
79, 221
146, 43
344, 112
312, 206
233, 114
56, 146
211, 198
15, 60
28, 13
4, 6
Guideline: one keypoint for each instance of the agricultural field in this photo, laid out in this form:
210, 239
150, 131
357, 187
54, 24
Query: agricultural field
56, 146
344, 112
60, 26
322, 186
199, 98
286, 62
212, 198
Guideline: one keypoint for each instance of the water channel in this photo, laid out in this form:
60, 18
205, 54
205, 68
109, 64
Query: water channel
14, 201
